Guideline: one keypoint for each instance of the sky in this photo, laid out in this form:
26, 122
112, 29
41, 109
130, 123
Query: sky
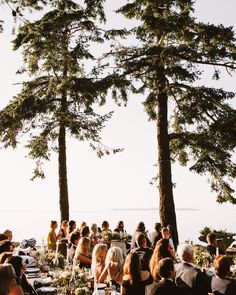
115, 181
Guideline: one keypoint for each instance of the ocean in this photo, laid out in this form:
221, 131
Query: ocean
35, 224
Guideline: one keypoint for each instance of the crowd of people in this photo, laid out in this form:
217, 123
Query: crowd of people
151, 265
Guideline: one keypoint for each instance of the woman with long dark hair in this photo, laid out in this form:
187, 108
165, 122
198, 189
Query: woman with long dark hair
134, 279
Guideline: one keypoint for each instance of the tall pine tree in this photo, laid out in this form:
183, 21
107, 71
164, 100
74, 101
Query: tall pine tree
166, 63
60, 95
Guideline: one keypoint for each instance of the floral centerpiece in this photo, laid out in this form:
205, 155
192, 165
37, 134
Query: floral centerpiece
53, 260
75, 280
106, 235
119, 236
202, 258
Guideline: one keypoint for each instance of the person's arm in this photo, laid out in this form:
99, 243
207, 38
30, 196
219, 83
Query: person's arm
83, 259
123, 290
103, 274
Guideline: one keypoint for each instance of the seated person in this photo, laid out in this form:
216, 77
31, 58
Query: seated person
98, 260
8, 284
191, 279
220, 283
5, 246
74, 240
143, 251
113, 271
141, 228
165, 286
134, 280
212, 245
82, 254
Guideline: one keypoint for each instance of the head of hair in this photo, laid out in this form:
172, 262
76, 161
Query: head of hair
64, 223
94, 228
211, 237
71, 225
8, 234
141, 227
222, 266
160, 251
132, 268
164, 267
4, 256
120, 224
16, 262
85, 231
3, 237
115, 254
140, 239
52, 223
83, 246
185, 252
105, 224
74, 236
7, 275
97, 250
165, 231
157, 227
5, 246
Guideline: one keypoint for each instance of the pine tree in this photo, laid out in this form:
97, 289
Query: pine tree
61, 93
167, 64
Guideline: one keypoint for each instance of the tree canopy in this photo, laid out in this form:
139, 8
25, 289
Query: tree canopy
173, 51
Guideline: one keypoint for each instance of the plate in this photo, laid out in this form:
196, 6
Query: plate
32, 270
101, 286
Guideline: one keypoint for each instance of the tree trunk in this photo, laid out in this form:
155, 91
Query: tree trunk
166, 207
63, 187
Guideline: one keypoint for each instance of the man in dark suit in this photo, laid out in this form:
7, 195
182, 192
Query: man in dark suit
212, 245
191, 280
166, 286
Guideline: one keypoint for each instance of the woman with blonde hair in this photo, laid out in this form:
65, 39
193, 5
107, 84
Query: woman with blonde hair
8, 284
113, 271
134, 279
82, 254
98, 260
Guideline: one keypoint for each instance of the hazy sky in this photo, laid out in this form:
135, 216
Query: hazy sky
120, 180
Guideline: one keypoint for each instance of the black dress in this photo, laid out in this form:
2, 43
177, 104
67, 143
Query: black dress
136, 289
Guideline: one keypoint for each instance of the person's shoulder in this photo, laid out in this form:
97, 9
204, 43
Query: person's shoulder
16, 289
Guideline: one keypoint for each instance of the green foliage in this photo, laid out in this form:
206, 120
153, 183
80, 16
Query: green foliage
61, 92
168, 60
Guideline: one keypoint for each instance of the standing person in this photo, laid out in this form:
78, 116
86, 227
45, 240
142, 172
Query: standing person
71, 227
140, 229
212, 245
8, 284
134, 279
52, 236
120, 227
190, 278
156, 235
62, 237
166, 286
220, 283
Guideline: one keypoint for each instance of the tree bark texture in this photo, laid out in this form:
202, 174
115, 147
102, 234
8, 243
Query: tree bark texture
166, 206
